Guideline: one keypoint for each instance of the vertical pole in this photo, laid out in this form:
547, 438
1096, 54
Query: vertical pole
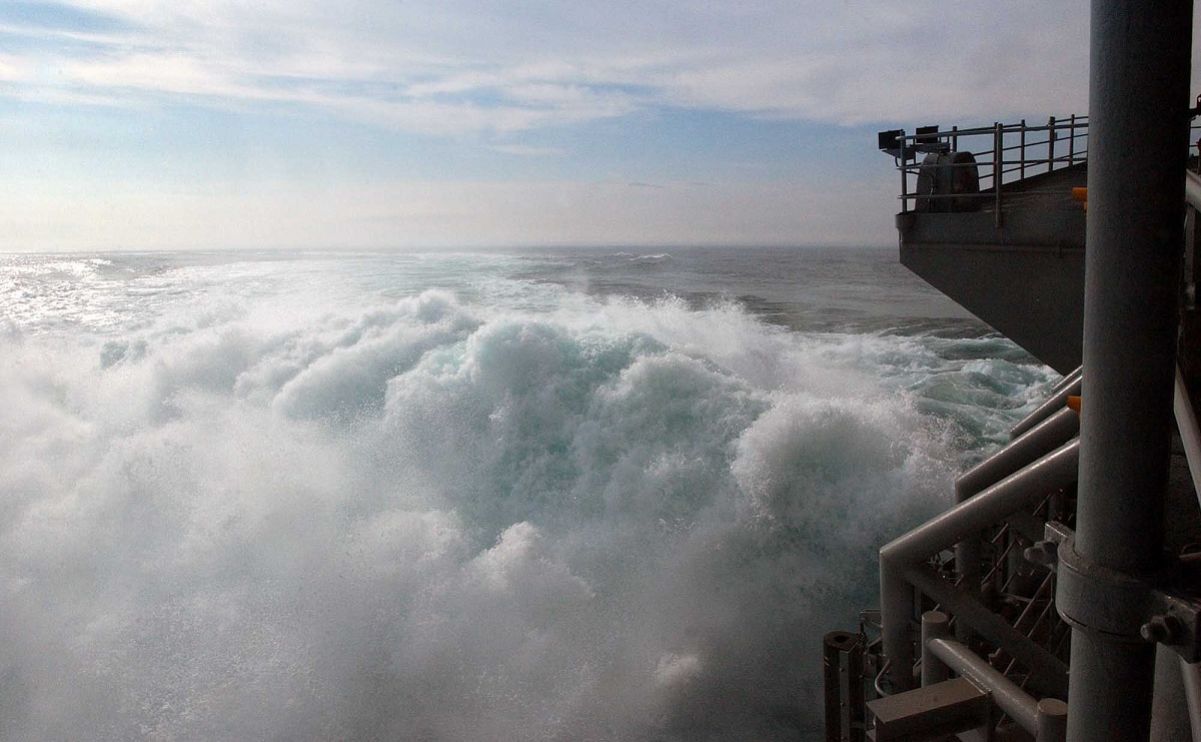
997, 175
967, 559
1072, 141
1050, 144
831, 671
954, 138
897, 606
1138, 93
1169, 707
1192, 695
904, 178
842, 654
1022, 149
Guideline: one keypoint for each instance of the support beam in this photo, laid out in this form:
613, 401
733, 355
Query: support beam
1138, 101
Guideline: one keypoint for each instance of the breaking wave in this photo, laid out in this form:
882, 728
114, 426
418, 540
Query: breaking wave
440, 519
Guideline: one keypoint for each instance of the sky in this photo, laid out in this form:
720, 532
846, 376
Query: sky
143, 124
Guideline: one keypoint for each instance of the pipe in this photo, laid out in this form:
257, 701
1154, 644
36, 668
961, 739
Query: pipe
935, 625
842, 659
1190, 433
1048, 673
1021, 489
1192, 694
1005, 693
1071, 377
1034, 442
1057, 401
1192, 189
1169, 709
1052, 721
1138, 100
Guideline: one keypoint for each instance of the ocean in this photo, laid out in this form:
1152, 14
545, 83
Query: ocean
553, 494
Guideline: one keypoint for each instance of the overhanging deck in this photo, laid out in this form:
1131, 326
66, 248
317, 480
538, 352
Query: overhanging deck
1023, 274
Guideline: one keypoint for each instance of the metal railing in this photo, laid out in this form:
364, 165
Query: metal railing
1001, 154
1007, 153
1023, 477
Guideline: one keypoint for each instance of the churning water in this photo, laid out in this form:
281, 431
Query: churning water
540, 495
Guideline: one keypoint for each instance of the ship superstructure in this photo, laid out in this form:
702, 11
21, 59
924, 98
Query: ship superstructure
1060, 597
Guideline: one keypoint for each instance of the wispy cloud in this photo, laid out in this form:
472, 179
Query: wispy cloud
679, 94
526, 150
455, 66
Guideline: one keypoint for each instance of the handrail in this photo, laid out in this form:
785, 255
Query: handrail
1069, 379
1054, 123
1021, 489
1054, 403
1046, 718
994, 164
1048, 673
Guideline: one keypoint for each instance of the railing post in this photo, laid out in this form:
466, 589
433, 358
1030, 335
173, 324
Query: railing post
904, 178
997, 174
1022, 149
1050, 144
1072, 141
954, 138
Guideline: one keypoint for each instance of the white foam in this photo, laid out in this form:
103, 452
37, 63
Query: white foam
431, 519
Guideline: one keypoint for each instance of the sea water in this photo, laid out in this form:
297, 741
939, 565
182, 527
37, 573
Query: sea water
582, 494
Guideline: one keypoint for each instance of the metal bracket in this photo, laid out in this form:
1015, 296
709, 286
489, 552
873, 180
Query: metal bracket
1126, 608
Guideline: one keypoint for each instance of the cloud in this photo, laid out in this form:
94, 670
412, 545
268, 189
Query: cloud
525, 150
457, 66
12, 68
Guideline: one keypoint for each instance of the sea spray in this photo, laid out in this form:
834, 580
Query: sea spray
532, 514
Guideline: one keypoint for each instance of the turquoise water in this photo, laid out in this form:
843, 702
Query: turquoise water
543, 494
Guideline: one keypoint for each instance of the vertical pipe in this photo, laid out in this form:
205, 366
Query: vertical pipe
1138, 96
831, 671
853, 679
1192, 695
1169, 709
935, 625
1052, 720
842, 655
967, 570
897, 605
